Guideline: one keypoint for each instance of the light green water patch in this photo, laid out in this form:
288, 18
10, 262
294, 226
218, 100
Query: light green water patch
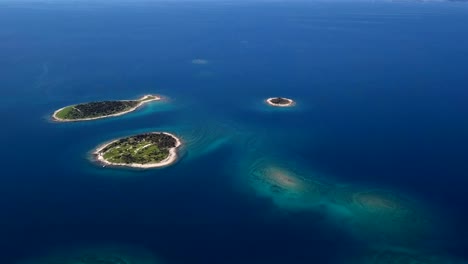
206, 137
216, 144
249, 142
287, 185
97, 255
395, 255
383, 216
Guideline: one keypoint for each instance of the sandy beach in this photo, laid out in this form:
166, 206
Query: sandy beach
269, 101
171, 158
157, 98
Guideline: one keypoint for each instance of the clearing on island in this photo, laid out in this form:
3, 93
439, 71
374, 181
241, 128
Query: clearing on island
149, 150
102, 109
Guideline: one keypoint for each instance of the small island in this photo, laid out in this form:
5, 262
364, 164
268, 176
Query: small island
149, 150
280, 102
103, 109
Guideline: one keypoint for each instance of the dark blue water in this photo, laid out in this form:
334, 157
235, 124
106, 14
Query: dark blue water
381, 92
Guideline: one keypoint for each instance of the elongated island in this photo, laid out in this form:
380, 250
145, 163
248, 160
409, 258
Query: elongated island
102, 109
280, 102
149, 150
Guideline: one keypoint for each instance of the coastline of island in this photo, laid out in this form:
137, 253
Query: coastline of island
143, 100
170, 159
280, 102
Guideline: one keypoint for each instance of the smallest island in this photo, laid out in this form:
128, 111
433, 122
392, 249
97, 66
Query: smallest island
280, 102
144, 151
102, 109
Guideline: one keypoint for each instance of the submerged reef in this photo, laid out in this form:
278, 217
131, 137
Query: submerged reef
367, 214
286, 186
97, 255
397, 255
205, 138
383, 216
371, 216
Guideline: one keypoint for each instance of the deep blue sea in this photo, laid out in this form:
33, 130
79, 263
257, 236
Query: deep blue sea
370, 165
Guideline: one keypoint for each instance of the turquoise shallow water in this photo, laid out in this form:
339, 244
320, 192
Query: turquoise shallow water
368, 167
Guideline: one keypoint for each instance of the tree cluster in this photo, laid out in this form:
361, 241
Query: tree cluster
162, 141
95, 109
279, 100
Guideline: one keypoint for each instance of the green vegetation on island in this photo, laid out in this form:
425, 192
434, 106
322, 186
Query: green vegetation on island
94, 110
143, 150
